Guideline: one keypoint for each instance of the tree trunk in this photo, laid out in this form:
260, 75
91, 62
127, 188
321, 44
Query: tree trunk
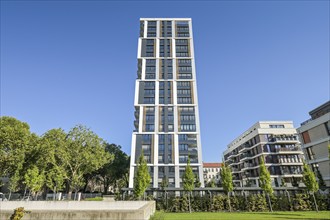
54, 194
9, 195
189, 202
270, 203
69, 195
317, 209
288, 194
229, 202
85, 186
24, 193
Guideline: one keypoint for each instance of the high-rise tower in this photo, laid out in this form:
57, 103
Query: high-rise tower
166, 105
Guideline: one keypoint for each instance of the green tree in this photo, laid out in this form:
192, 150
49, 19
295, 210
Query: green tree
310, 182
15, 138
227, 181
212, 183
84, 153
197, 183
164, 183
34, 180
55, 178
188, 180
115, 169
266, 182
53, 144
142, 177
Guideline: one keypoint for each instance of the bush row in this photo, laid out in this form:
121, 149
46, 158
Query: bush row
251, 203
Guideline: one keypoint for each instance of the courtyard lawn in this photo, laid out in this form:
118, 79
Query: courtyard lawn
245, 215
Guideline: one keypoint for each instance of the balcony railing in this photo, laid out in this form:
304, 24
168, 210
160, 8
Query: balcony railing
283, 149
246, 155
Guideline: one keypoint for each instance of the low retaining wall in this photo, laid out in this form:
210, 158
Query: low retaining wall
73, 210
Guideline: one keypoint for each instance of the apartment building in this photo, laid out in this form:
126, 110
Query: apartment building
166, 104
315, 138
277, 143
211, 171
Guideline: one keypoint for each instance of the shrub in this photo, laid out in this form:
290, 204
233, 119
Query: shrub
218, 203
184, 204
300, 202
322, 201
251, 203
281, 202
175, 204
18, 213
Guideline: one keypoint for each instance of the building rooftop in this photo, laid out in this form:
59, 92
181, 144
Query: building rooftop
256, 126
215, 165
321, 110
169, 19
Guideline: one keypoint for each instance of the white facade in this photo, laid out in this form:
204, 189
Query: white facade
166, 103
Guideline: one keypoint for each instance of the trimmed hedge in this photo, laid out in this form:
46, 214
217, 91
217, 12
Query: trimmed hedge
251, 203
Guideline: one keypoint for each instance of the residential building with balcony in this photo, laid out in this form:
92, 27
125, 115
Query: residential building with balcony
211, 171
315, 138
166, 105
277, 143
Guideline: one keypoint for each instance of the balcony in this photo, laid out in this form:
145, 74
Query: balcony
244, 147
246, 156
136, 124
273, 160
249, 175
288, 150
283, 138
287, 160
295, 172
250, 165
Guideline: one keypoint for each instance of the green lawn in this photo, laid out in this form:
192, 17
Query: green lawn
244, 215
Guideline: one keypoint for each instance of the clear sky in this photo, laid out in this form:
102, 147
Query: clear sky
74, 62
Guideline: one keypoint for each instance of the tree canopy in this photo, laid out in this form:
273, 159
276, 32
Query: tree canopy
142, 178
56, 160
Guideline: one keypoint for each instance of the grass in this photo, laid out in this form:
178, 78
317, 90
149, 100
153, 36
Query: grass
243, 215
94, 199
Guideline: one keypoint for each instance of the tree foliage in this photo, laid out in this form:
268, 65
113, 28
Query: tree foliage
83, 153
266, 181
309, 179
310, 182
15, 139
115, 170
227, 181
226, 178
142, 178
188, 180
34, 180
56, 159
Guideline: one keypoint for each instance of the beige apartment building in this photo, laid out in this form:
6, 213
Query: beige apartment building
315, 138
277, 143
211, 171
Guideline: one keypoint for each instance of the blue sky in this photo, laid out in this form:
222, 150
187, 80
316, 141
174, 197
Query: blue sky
74, 62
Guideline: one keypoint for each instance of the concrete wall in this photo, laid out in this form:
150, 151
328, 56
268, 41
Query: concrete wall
72, 210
